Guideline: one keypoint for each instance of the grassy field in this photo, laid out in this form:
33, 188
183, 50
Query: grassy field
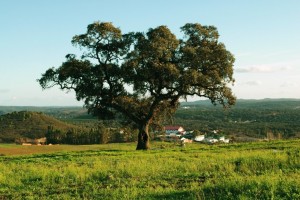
262, 170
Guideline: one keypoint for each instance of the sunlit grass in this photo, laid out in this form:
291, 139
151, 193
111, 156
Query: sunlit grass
264, 170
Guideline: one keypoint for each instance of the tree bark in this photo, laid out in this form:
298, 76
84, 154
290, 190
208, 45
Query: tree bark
143, 138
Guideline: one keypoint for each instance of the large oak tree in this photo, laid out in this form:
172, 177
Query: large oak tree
142, 76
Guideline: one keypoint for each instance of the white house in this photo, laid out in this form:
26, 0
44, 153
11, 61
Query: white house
174, 130
199, 138
211, 140
222, 139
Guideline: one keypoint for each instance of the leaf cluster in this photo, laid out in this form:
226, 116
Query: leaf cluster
141, 76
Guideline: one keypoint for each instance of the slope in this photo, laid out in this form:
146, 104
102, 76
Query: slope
28, 124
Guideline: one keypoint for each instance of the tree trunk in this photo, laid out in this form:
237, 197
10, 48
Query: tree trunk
143, 138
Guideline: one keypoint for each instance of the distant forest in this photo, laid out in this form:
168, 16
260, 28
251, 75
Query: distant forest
276, 118
268, 118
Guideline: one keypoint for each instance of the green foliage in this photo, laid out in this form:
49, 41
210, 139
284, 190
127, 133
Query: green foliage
25, 124
28, 124
140, 77
96, 135
262, 170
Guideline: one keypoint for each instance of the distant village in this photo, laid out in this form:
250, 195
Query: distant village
172, 133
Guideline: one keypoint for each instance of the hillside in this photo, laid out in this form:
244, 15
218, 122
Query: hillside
57, 112
250, 104
28, 124
266, 118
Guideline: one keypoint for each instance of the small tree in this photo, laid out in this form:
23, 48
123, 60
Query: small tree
103, 134
141, 76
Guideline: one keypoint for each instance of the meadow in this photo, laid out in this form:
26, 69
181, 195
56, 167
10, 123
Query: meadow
260, 170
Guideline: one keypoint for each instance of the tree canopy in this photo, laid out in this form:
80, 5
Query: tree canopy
142, 76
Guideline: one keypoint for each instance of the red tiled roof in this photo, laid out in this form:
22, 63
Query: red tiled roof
172, 127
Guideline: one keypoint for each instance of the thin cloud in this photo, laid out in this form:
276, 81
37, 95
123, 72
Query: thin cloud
252, 83
263, 69
255, 69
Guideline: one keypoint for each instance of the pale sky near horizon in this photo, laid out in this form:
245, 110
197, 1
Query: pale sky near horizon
264, 36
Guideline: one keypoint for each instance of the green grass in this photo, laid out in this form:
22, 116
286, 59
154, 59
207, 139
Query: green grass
263, 170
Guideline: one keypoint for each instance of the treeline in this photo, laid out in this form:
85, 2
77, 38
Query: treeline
253, 118
27, 124
97, 135
34, 125
255, 122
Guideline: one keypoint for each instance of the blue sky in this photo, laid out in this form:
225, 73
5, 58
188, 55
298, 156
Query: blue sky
264, 36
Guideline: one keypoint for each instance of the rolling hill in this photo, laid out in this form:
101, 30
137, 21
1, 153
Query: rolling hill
28, 124
265, 118
251, 118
